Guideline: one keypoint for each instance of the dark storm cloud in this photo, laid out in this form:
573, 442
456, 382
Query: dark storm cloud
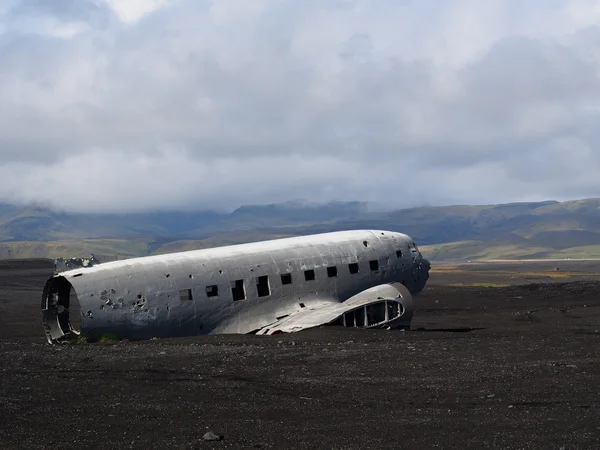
214, 104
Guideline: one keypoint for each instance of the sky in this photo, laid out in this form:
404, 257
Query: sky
139, 105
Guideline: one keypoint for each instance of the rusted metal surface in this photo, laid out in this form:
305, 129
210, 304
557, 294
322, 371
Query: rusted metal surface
310, 280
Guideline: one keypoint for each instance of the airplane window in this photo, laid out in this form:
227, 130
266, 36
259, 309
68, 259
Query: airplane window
212, 291
262, 286
399, 253
185, 294
353, 267
374, 265
286, 278
309, 275
237, 290
332, 271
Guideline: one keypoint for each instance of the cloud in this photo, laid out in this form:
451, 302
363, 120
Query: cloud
109, 105
133, 10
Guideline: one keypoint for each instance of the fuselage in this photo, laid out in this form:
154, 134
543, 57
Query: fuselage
233, 289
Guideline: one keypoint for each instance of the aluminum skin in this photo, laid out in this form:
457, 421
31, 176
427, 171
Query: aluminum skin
359, 278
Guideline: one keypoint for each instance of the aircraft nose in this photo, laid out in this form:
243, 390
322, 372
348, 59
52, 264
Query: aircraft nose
425, 266
421, 272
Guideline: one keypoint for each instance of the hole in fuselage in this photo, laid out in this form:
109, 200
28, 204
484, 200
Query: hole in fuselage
61, 311
374, 314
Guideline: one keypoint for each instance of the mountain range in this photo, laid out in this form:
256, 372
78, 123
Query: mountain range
548, 229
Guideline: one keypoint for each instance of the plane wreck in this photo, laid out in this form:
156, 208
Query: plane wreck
362, 278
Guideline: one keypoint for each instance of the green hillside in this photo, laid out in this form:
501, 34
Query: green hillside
106, 249
446, 233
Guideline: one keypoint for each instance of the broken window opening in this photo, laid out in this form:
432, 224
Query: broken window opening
393, 309
262, 286
374, 265
238, 291
375, 313
212, 290
185, 294
332, 271
371, 315
353, 268
359, 317
399, 253
309, 275
286, 278
348, 319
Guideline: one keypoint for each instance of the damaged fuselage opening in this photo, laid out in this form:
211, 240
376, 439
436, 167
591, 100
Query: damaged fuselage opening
372, 315
61, 311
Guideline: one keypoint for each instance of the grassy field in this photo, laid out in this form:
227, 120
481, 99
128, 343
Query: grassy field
499, 274
66, 249
110, 248
539, 230
481, 251
462, 251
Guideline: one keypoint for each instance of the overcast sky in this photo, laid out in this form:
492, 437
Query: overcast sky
122, 105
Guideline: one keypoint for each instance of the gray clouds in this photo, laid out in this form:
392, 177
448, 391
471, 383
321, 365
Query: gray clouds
215, 104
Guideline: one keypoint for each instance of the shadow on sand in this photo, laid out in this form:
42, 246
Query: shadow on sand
450, 330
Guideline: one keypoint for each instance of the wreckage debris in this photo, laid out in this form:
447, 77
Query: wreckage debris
356, 278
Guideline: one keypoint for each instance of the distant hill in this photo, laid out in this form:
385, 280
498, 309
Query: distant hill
517, 230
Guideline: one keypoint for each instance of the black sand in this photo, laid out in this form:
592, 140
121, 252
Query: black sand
485, 367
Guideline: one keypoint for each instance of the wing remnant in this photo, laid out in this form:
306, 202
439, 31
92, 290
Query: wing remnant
383, 306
